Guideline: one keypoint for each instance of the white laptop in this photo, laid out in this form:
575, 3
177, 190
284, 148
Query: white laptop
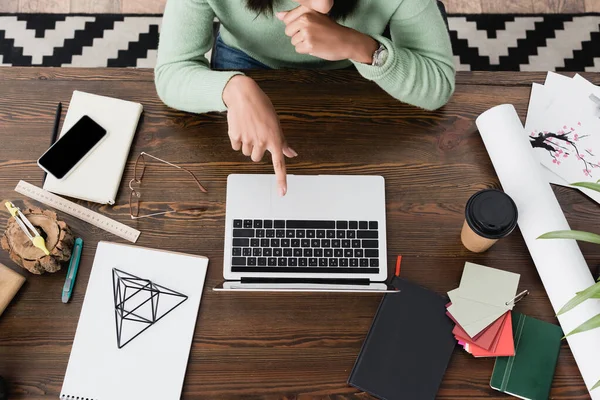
327, 234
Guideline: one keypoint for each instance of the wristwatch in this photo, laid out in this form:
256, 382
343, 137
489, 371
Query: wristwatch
380, 56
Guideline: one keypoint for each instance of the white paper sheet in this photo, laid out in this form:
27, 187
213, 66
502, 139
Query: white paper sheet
152, 365
540, 100
560, 264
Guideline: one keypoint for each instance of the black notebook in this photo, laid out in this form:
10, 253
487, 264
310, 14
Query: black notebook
408, 347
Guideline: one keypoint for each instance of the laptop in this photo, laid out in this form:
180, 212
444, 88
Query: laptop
327, 234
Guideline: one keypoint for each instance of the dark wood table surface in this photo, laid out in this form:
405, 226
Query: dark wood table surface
267, 345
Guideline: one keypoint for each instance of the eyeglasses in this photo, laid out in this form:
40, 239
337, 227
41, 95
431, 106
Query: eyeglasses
138, 174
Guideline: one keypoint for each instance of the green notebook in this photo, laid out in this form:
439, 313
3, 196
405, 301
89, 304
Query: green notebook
529, 373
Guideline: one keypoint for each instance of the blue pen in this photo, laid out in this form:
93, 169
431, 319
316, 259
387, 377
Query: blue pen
72, 272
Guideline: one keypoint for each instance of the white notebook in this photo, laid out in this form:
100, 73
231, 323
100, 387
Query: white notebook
136, 325
98, 176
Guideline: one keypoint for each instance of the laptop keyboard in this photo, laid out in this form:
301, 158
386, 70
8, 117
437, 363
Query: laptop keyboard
305, 246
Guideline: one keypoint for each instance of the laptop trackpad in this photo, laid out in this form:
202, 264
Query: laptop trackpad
326, 197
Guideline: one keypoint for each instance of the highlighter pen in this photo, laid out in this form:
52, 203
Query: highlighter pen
72, 272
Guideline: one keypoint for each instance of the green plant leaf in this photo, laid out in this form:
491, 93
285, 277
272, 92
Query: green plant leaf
591, 323
577, 235
597, 385
588, 185
582, 296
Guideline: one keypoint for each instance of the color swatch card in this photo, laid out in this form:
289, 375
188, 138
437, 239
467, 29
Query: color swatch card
484, 295
473, 316
487, 339
481, 309
503, 344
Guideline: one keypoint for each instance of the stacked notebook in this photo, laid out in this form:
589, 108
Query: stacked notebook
97, 178
481, 310
408, 347
529, 373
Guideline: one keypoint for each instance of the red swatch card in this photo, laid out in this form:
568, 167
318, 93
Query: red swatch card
505, 346
486, 338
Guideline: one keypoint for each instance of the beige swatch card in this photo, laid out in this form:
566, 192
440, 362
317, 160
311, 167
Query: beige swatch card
482, 297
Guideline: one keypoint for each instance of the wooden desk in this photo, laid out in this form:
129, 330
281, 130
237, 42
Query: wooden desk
269, 346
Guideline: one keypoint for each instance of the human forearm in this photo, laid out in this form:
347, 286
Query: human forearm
190, 87
419, 68
361, 47
182, 75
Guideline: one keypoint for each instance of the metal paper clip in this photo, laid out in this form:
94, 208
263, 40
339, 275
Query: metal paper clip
518, 298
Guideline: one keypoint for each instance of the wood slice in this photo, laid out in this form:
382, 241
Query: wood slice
58, 236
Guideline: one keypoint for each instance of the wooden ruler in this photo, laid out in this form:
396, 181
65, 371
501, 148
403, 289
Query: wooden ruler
87, 215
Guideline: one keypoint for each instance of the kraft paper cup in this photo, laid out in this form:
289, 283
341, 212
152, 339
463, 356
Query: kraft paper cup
490, 215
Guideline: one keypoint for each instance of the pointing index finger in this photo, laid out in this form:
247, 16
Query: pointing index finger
279, 167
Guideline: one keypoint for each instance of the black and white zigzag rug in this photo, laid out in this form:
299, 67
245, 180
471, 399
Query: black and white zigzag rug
480, 42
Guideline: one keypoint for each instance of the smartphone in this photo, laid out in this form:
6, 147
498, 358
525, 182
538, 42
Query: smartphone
64, 155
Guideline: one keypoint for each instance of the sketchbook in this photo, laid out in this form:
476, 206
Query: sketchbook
136, 325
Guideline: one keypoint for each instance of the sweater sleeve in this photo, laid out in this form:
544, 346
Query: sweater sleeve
182, 74
419, 69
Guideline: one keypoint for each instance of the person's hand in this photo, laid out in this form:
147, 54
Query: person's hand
318, 35
254, 126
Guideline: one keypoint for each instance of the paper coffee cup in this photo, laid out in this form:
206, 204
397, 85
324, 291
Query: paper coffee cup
490, 215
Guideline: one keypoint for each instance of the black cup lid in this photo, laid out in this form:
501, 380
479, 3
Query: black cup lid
491, 214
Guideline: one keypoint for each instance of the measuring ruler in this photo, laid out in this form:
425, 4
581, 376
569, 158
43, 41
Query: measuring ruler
87, 215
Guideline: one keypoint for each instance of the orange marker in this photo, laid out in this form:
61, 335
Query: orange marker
398, 262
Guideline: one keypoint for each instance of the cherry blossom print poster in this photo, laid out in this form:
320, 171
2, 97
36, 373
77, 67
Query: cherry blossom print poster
563, 130
570, 149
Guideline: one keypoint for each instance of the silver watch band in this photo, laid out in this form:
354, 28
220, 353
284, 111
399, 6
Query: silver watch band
380, 56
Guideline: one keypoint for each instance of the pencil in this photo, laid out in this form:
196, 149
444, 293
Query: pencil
55, 131
398, 263
56, 122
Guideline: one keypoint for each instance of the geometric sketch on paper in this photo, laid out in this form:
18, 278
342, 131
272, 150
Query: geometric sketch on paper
139, 304
567, 142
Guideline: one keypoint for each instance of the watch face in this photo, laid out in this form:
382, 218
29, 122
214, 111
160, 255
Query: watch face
380, 56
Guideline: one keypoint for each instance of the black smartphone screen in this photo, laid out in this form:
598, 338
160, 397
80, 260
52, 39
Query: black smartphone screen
72, 147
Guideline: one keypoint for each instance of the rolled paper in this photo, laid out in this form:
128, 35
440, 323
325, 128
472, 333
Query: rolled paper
559, 262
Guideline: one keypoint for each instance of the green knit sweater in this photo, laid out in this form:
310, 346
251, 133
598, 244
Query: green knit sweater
419, 69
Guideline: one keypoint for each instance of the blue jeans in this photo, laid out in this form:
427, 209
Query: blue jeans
225, 57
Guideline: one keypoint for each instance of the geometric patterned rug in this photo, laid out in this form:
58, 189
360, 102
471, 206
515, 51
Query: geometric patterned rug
486, 42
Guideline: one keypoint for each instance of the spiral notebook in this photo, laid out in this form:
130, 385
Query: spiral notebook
136, 325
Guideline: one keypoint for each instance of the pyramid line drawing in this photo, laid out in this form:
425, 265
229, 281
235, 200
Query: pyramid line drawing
139, 304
